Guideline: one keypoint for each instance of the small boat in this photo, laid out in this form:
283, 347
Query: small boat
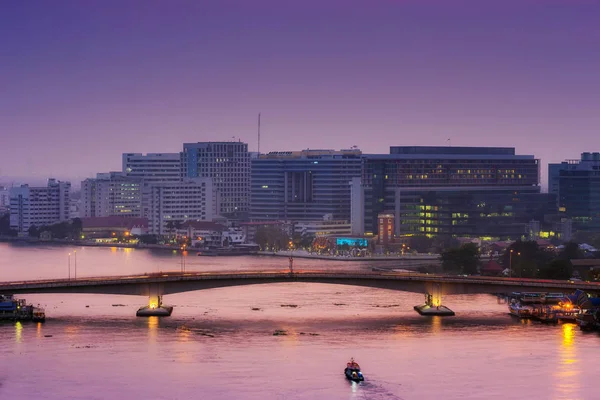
587, 320
519, 310
352, 371
38, 314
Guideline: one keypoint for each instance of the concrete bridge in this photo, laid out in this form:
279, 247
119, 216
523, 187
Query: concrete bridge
158, 284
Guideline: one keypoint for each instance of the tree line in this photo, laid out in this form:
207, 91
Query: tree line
525, 259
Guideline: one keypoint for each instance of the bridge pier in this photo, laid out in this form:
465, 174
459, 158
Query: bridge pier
155, 307
433, 303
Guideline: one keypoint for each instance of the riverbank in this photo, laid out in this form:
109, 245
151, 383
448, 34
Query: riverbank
67, 242
409, 258
394, 257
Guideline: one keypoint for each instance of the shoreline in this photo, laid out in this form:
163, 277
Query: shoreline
419, 258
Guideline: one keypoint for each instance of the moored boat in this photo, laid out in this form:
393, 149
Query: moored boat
353, 372
520, 310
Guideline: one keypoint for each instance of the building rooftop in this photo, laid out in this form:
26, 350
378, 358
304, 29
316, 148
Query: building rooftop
113, 222
309, 153
203, 225
462, 150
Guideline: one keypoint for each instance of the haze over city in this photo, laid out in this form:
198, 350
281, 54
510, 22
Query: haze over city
84, 82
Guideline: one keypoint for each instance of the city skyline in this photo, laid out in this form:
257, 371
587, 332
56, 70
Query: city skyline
90, 82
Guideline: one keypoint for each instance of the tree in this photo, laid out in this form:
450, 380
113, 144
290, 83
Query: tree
526, 259
464, 259
148, 239
571, 251
271, 237
33, 232
443, 242
420, 243
557, 269
5, 226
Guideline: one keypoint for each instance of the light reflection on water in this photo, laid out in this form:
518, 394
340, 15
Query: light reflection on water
220, 342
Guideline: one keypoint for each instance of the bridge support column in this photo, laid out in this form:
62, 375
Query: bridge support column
433, 303
155, 306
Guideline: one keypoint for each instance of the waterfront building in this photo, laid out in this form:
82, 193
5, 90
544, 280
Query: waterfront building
153, 167
202, 233
578, 191
228, 165
459, 191
325, 227
4, 199
111, 228
173, 203
111, 193
39, 206
303, 185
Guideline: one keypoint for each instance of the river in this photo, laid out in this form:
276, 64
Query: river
219, 343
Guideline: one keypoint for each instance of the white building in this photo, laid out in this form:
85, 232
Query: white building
109, 194
153, 167
4, 198
191, 199
326, 227
39, 206
228, 164
357, 207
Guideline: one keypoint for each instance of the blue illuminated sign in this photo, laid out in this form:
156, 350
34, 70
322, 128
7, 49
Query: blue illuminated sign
358, 242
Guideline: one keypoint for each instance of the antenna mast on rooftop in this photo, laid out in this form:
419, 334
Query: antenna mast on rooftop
258, 133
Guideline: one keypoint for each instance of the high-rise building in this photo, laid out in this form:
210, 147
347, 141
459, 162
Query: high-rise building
228, 165
303, 185
173, 203
111, 193
153, 167
579, 191
460, 191
4, 199
39, 206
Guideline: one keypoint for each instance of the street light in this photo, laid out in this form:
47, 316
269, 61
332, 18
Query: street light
183, 258
69, 263
75, 257
510, 264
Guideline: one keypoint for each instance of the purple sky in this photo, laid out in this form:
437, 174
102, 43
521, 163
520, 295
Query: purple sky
82, 82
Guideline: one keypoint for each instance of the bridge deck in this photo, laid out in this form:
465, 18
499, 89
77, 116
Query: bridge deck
226, 278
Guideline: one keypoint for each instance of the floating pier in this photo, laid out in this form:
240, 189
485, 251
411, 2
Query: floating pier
155, 308
433, 307
434, 310
147, 311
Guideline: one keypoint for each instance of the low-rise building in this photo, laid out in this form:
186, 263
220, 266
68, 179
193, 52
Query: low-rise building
202, 233
113, 227
325, 227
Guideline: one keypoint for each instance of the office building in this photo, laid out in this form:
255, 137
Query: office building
228, 165
4, 199
459, 191
39, 206
111, 194
579, 191
171, 204
153, 167
303, 185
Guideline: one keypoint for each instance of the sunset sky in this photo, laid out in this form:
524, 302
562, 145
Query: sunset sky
83, 81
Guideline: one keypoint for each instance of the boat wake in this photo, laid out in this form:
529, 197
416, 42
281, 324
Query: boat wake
372, 390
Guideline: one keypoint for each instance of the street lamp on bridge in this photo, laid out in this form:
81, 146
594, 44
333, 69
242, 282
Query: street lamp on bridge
69, 264
510, 263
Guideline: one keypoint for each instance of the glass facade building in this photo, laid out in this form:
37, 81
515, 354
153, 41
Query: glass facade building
462, 191
228, 164
579, 191
303, 185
